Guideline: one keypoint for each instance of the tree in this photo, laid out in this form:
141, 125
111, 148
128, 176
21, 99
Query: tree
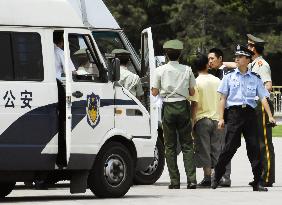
131, 16
203, 24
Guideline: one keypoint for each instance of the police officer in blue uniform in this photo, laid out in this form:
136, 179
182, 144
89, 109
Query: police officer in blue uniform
238, 91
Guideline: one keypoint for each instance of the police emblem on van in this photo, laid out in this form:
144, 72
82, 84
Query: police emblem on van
92, 110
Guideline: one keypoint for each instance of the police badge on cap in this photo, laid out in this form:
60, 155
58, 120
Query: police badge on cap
243, 50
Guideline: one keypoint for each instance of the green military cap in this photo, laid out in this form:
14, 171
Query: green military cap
173, 44
256, 40
80, 52
120, 52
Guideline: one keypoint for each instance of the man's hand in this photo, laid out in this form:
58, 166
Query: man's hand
272, 120
155, 91
221, 124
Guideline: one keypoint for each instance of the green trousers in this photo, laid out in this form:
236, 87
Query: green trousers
176, 119
266, 145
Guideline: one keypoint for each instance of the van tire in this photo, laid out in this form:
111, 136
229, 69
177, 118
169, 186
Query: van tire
155, 170
105, 182
6, 188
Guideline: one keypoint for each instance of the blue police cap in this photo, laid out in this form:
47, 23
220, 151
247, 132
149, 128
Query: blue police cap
243, 50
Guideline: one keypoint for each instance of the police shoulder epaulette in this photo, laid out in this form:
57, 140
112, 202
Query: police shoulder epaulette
256, 74
260, 63
229, 71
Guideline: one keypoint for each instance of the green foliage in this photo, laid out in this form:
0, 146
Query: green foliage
202, 24
131, 16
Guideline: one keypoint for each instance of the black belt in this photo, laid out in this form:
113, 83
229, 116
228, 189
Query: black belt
244, 106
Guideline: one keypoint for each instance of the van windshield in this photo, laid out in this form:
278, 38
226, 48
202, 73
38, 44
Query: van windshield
108, 41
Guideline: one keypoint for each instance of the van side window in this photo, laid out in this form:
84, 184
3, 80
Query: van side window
88, 67
21, 56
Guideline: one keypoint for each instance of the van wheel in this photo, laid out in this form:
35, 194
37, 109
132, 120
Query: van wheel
6, 188
155, 169
112, 173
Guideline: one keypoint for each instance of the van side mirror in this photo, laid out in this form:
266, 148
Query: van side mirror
113, 67
116, 69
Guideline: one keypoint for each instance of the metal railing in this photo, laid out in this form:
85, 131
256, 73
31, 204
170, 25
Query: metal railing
277, 100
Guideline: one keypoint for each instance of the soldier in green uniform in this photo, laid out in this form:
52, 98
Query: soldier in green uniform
175, 82
261, 67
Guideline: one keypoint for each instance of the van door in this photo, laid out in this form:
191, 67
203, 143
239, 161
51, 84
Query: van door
148, 66
89, 99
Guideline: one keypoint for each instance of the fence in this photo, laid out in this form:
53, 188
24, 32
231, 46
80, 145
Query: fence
277, 100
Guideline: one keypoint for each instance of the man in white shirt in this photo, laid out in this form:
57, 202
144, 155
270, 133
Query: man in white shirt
128, 80
60, 57
60, 73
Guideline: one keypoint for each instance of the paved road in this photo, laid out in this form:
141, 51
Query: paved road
158, 193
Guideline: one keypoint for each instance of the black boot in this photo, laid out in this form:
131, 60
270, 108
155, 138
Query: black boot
259, 187
205, 183
174, 186
214, 183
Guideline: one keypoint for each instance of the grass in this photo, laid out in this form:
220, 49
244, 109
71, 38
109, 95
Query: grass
277, 131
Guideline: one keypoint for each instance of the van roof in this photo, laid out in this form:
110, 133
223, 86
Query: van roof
57, 13
65, 13
98, 15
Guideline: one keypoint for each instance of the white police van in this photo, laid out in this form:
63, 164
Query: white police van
104, 145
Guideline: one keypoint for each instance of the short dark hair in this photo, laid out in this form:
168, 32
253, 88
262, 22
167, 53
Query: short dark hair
217, 52
200, 62
123, 58
58, 37
259, 48
172, 54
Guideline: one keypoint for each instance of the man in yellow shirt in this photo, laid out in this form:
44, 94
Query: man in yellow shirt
205, 118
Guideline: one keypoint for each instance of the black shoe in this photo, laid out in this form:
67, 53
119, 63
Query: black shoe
214, 184
268, 184
259, 188
40, 185
264, 184
192, 185
205, 183
173, 186
225, 182
252, 183
28, 184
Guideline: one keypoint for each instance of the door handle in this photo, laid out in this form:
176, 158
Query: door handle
77, 94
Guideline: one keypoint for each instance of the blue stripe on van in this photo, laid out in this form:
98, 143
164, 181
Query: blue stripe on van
23, 141
79, 108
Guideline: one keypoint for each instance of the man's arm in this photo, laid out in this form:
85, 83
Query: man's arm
263, 95
191, 91
192, 83
221, 111
156, 84
230, 64
267, 109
